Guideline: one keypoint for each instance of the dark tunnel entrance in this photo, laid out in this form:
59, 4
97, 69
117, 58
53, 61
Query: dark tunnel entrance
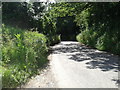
67, 28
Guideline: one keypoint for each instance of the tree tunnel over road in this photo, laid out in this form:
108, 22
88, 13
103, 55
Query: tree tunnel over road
67, 28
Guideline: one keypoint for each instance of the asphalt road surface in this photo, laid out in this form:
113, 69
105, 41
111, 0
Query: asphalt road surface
76, 66
73, 65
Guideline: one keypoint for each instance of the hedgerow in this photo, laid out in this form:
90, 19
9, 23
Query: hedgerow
102, 41
23, 53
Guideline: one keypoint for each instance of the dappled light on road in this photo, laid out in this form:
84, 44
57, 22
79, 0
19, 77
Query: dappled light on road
87, 58
97, 59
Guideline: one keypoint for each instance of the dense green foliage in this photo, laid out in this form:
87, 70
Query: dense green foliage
101, 41
33, 16
49, 29
23, 52
100, 26
65, 25
98, 23
22, 14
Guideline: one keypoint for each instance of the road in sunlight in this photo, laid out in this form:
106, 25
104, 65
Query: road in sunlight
77, 66
73, 65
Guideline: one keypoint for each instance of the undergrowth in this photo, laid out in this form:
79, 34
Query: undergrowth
23, 52
106, 41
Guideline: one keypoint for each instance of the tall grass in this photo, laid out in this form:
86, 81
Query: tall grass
23, 52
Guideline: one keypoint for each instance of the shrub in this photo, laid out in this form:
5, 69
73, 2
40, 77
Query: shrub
54, 39
101, 40
87, 37
49, 29
23, 52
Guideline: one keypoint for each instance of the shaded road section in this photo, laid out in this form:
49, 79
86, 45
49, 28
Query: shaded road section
76, 66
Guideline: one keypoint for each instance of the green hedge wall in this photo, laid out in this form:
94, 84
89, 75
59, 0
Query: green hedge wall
23, 52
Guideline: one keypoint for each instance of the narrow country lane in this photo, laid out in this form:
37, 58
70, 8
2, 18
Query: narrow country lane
77, 66
73, 65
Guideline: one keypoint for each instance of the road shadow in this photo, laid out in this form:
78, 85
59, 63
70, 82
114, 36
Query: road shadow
117, 82
96, 59
69, 48
103, 61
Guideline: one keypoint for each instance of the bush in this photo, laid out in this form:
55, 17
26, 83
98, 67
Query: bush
101, 40
23, 52
87, 37
49, 29
54, 39
109, 43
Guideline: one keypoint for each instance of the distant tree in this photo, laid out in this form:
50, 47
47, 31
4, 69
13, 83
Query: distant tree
22, 14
